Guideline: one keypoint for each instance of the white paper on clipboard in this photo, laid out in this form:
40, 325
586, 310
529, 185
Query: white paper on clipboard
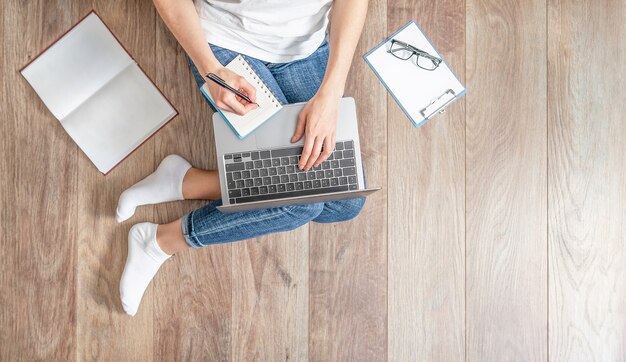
420, 93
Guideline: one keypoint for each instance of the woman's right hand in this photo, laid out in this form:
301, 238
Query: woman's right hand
227, 100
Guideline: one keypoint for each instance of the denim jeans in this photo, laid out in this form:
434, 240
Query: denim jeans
297, 81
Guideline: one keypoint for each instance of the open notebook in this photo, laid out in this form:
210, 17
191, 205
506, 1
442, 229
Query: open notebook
420, 93
268, 104
102, 98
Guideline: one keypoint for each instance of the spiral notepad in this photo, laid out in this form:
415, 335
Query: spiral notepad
268, 104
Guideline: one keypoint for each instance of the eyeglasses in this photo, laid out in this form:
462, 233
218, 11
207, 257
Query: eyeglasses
404, 51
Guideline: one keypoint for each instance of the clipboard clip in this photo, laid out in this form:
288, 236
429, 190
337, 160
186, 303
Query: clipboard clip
439, 104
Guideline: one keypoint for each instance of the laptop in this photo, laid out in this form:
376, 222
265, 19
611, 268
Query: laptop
261, 170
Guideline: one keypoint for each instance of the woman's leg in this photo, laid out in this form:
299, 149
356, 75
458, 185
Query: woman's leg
162, 185
299, 81
173, 180
208, 226
342, 210
201, 184
150, 245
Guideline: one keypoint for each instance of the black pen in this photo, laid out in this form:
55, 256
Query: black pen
221, 82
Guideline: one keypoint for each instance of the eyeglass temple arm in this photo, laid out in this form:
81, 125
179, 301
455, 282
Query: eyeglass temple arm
423, 53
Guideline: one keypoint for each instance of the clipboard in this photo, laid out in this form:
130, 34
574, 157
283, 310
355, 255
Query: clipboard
421, 94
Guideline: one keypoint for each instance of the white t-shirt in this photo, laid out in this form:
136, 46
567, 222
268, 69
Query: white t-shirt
275, 31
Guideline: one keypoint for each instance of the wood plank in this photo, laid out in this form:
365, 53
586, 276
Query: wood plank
348, 261
192, 299
270, 297
39, 184
2, 54
105, 332
7, 215
427, 206
506, 199
586, 181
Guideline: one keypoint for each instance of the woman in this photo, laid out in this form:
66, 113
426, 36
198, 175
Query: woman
285, 41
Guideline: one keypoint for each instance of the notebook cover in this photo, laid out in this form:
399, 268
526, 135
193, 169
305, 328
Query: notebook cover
424, 120
130, 55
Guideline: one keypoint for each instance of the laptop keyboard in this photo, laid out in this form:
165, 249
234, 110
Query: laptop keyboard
274, 174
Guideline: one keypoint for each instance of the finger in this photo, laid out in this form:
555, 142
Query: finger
243, 101
247, 88
315, 153
306, 151
328, 149
223, 106
239, 99
299, 128
249, 106
237, 107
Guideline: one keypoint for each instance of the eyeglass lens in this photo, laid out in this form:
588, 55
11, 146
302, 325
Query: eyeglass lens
402, 52
426, 63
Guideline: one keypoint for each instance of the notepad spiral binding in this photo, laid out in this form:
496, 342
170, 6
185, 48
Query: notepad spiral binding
259, 82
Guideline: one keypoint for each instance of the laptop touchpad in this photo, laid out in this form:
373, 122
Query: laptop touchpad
278, 130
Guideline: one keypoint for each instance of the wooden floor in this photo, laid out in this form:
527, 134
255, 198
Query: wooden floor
500, 232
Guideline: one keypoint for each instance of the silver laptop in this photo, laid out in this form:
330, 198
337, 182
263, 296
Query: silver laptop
261, 171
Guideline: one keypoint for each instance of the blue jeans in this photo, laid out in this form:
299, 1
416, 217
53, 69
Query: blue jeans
292, 82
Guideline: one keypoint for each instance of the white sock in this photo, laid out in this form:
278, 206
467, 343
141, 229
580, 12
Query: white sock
143, 261
164, 184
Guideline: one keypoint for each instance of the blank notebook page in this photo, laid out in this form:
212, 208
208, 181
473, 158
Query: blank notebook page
118, 118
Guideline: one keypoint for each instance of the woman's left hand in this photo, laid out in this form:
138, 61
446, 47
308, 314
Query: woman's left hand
317, 122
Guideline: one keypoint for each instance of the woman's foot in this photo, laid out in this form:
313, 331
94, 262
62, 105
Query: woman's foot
164, 184
144, 259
